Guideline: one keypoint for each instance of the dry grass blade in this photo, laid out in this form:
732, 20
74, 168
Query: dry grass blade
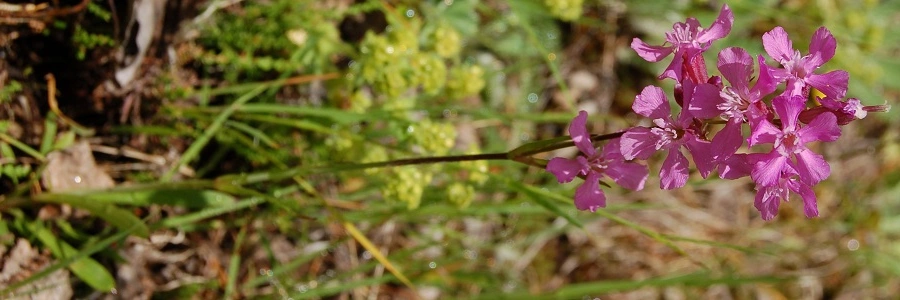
359, 237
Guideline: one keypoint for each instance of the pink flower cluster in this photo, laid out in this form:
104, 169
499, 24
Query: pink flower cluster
773, 106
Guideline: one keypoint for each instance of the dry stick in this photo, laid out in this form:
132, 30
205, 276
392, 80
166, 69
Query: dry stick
54, 107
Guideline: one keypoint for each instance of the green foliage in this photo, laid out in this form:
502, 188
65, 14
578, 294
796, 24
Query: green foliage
8, 90
86, 40
568, 10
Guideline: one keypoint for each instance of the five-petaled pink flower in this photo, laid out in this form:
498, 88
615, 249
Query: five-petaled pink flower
768, 198
686, 41
738, 103
798, 70
790, 143
669, 135
594, 166
789, 167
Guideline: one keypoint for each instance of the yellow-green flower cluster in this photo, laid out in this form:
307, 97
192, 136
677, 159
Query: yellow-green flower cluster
373, 154
432, 72
341, 144
360, 102
446, 41
460, 194
407, 185
381, 65
395, 63
477, 170
436, 138
465, 81
566, 10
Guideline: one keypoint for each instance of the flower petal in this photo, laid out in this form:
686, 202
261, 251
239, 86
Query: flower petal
823, 128
704, 104
767, 202
612, 150
768, 80
821, 48
734, 167
638, 142
579, 134
674, 70
767, 168
650, 53
629, 175
737, 67
727, 141
719, 28
810, 207
652, 103
832, 84
812, 167
589, 196
788, 109
567, 169
778, 45
701, 152
674, 172
763, 132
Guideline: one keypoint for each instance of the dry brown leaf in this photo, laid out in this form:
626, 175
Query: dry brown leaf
23, 261
74, 168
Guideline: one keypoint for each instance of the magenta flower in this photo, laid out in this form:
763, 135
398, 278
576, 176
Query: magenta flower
846, 111
738, 103
668, 135
609, 162
790, 143
768, 198
686, 41
798, 70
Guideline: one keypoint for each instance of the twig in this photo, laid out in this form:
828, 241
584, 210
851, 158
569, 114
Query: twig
54, 107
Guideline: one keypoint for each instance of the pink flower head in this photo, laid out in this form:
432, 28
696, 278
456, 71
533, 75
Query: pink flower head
594, 166
798, 70
790, 143
768, 198
686, 40
669, 135
738, 103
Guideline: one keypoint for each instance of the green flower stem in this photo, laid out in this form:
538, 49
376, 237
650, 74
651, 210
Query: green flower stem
522, 154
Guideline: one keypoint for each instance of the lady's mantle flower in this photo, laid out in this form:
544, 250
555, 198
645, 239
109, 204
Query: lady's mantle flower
798, 70
669, 135
686, 41
609, 162
790, 143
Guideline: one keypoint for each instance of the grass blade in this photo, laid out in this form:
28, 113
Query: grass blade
146, 196
234, 265
65, 262
118, 217
699, 279
194, 150
86, 268
536, 193
364, 241
540, 198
